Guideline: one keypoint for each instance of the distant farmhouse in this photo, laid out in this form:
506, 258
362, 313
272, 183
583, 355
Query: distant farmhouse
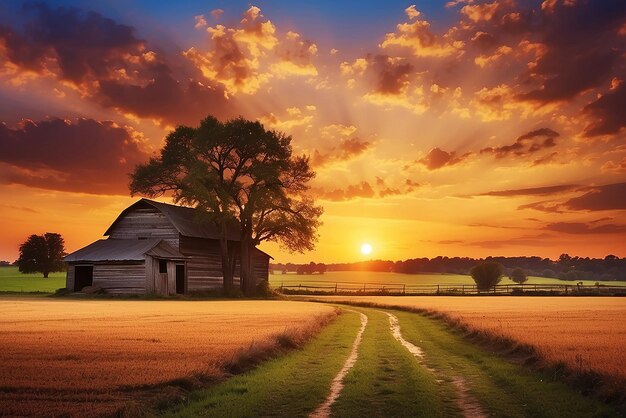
157, 248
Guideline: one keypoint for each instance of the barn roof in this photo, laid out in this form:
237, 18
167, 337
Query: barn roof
125, 250
184, 220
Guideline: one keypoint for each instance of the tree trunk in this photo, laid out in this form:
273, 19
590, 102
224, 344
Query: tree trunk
227, 270
45, 274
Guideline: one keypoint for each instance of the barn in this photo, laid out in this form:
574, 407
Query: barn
157, 248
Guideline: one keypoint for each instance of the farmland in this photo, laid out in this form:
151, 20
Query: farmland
81, 357
584, 332
449, 377
11, 280
371, 277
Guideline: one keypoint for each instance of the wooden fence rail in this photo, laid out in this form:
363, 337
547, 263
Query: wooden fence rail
450, 289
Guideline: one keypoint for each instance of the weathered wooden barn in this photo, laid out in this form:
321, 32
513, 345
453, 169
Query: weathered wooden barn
158, 248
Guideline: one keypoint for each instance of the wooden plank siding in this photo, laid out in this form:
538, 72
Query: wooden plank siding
145, 223
260, 266
204, 268
69, 277
120, 278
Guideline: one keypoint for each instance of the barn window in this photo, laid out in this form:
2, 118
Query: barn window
162, 266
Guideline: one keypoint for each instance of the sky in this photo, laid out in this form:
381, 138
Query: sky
458, 128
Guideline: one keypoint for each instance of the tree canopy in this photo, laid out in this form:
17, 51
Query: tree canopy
518, 275
238, 172
487, 274
42, 253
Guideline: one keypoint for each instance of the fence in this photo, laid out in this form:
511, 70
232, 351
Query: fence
449, 289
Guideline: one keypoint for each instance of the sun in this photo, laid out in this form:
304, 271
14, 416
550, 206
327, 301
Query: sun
366, 249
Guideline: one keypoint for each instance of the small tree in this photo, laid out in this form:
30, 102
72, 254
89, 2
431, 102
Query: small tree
42, 253
518, 276
487, 274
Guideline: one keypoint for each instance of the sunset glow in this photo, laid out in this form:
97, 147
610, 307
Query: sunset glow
457, 128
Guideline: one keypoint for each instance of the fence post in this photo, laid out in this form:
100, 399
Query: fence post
494, 289
437, 289
281, 287
404, 289
335, 287
363, 287
566, 289
463, 289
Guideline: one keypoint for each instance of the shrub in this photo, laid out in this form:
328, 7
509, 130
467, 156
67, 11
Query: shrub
486, 274
518, 276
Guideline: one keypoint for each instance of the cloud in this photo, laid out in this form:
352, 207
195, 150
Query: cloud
295, 57
548, 159
166, 99
345, 150
526, 144
353, 191
85, 155
585, 228
417, 36
363, 189
109, 65
607, 112
245, 58
607, 197
74, 44
438, 158
615, 167
387, 81
545, 206
534, 191
580, 48
537, 240
294, 117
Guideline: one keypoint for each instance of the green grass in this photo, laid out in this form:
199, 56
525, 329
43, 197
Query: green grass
502, 388
387, 381
11, 280
290, 386
360, 277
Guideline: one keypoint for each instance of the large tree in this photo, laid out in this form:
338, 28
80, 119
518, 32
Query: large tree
236, 172
42, 253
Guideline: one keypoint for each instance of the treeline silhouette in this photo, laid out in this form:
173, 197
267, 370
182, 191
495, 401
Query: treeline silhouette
565, 268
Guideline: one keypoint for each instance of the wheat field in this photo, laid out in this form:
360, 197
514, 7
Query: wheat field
586, 333
82, 356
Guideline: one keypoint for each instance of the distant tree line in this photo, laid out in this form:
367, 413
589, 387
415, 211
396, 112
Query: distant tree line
565, 267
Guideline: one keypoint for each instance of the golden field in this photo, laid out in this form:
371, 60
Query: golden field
83, 357
583, 332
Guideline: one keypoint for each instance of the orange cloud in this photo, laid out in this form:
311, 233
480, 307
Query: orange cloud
526, 144
70, 155
416, 36
437, 158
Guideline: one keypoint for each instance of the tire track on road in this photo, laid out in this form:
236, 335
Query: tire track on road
323, 411
468, 405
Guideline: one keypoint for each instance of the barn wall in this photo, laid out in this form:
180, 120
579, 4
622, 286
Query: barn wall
171, 277
120, 278
145, 223
204, 268
69, 277
260, 266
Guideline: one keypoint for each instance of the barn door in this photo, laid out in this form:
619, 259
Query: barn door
83, 277
180, 278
